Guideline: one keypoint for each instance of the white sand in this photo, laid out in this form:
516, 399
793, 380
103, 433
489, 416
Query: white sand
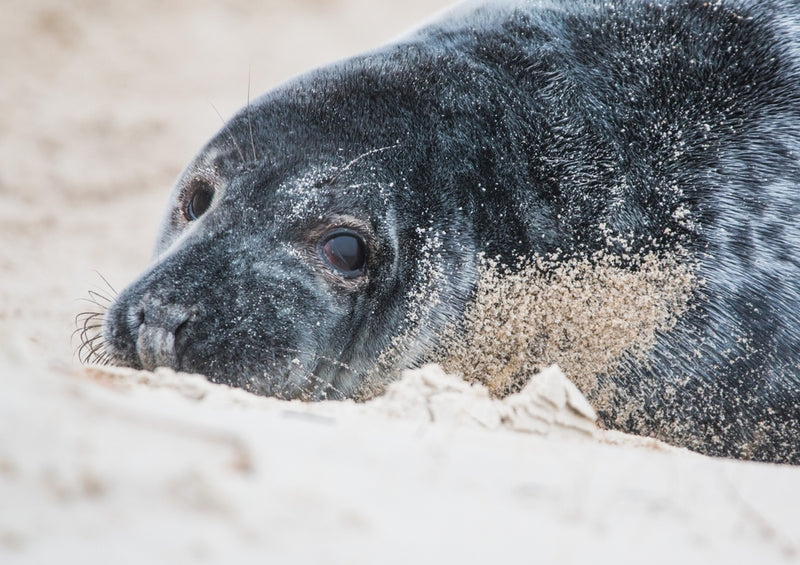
103, 104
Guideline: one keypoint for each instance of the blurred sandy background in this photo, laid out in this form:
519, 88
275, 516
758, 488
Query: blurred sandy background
102, 105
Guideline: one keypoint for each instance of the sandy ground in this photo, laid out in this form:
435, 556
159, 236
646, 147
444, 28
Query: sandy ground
103, 103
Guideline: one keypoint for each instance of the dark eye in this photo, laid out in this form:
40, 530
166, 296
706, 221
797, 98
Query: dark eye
346, 252
199, 200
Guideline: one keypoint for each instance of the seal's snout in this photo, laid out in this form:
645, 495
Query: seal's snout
157, 328
149, 333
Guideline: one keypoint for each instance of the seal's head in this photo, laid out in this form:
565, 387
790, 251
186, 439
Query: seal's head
292, 253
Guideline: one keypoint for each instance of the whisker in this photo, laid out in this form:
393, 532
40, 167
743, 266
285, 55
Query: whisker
321, 386
84, 357
80, 318
328, 359
87, 339
96, 295
297, 380
250, 120
231, 136
358, 158
94, 349
94, 302
83, 331
88, 315
92, 339
108, 284
89, 325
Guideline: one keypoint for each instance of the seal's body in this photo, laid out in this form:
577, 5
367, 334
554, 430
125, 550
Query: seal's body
640, 157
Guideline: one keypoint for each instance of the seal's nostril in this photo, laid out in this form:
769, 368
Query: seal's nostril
182, 326
135, 319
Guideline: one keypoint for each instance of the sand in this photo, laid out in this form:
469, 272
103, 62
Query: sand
103, 104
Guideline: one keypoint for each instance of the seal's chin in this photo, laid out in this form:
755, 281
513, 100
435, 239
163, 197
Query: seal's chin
284, 377
287, 379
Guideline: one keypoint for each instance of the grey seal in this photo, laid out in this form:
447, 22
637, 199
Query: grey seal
611, 186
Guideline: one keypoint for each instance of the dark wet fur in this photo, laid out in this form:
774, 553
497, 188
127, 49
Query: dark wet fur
514, 132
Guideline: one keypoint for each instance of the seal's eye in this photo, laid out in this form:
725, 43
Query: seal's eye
199, 200
346, 252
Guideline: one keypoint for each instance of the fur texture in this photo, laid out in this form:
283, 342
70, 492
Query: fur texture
513, 133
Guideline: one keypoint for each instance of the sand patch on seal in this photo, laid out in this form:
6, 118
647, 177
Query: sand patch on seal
581, 314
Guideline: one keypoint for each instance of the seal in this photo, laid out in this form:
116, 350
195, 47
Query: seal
614, 187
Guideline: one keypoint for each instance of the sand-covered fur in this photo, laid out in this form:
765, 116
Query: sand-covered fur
611, 187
